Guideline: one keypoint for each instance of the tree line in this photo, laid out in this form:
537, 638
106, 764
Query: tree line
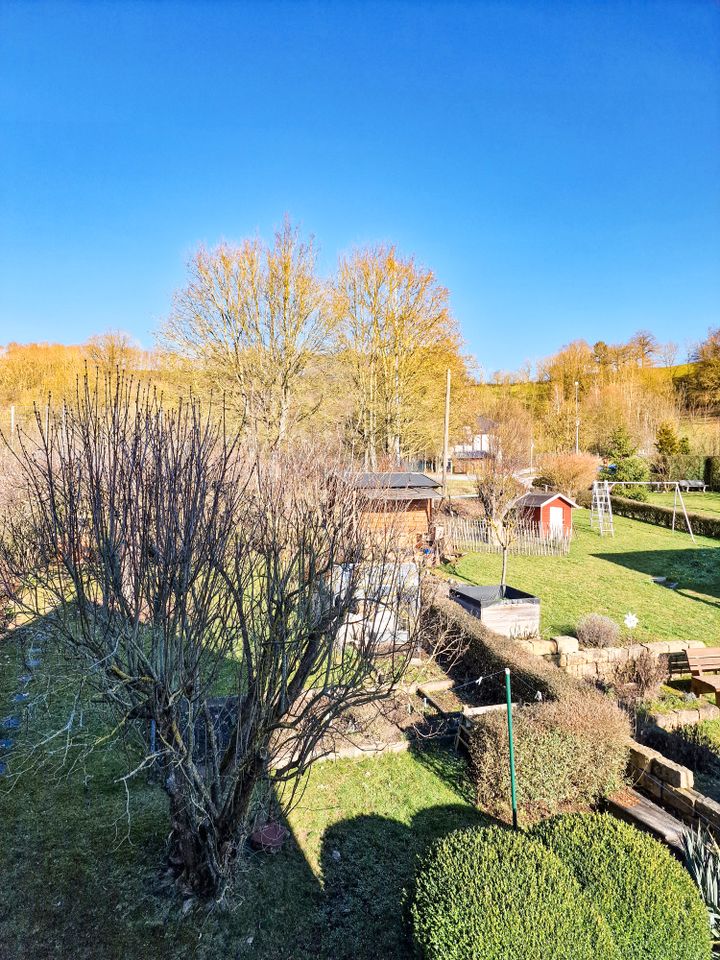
361, 357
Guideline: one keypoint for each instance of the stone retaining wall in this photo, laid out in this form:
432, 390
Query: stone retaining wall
598, 663
672, 785
673, 719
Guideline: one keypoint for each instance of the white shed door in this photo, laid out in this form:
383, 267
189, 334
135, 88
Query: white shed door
556, 521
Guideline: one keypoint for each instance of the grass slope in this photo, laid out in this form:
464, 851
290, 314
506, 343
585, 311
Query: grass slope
81, 882
704, 504
613, 576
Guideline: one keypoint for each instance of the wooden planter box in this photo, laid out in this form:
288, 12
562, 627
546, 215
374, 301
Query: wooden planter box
511, 614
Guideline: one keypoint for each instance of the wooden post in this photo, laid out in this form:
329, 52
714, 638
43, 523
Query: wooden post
446, 435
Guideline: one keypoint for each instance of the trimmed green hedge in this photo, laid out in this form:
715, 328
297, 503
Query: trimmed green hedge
493, 894
662, 516
649, 900
571, 748
711, 474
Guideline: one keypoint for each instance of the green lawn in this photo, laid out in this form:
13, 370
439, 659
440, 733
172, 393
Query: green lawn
80, 883
706, 504
613, 576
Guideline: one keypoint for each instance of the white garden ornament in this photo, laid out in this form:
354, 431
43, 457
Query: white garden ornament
631, 621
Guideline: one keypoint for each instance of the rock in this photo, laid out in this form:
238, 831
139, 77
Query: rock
10, 723
19, 697
336, 855
6, 744
673, 773
567, 644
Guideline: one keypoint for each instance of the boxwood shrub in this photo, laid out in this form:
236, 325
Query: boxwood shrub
492, 894
646, 896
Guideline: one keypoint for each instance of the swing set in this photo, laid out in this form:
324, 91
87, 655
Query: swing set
601, 509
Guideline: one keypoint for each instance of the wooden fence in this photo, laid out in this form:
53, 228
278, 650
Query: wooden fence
528, 539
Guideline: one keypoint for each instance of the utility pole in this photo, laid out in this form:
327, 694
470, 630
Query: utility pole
577, 420
446, 435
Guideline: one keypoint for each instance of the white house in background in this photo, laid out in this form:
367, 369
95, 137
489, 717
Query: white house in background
476, 447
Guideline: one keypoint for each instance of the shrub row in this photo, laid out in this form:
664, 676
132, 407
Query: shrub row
662, 516
571, 748
711, 474
576, 886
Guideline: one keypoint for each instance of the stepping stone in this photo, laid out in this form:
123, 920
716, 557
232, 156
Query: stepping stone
19, 697
3, 768
6, 744
25, 679
10, 723
32, 664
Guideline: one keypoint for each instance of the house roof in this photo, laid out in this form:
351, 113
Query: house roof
532, 500
485, 424
398, 486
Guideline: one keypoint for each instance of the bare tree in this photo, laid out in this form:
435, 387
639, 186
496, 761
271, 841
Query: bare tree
228, 609
496, 480
253, 317
397, 337
111, 350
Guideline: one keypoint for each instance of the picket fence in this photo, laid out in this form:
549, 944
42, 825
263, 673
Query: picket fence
528, 539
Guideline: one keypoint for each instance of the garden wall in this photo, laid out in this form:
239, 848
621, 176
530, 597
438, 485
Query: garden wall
672, 785
663, 516
597, 663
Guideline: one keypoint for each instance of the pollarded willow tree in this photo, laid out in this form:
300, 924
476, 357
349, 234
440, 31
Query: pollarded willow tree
229, 609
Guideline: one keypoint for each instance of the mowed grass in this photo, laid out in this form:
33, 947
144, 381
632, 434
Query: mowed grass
81, 864
704, 504
612, 576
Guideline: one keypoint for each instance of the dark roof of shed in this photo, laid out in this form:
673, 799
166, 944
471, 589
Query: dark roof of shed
540, 499
398, 486
394, 481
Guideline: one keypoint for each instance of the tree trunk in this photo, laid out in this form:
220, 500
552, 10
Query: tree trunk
503, 575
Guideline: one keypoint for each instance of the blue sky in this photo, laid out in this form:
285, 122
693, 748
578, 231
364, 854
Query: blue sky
556, 163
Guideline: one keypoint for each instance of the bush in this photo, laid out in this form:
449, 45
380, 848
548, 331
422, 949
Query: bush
643, 675
662, 516
571, 749
648, 899
595, 630
711, 474
491, 894
568, 755
570, 473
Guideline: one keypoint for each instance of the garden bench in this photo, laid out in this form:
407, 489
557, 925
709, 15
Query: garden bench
703, 662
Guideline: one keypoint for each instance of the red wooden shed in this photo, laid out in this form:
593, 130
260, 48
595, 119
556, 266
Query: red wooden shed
552, 512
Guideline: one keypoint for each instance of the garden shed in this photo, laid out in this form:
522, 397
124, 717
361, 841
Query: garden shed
551, 512
409, 497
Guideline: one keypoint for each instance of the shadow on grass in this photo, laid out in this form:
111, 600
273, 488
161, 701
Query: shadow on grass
691, 569
368, 866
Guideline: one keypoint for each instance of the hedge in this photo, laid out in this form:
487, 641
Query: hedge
711, 475
662, 516
649, 900
493, 894
571, 748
